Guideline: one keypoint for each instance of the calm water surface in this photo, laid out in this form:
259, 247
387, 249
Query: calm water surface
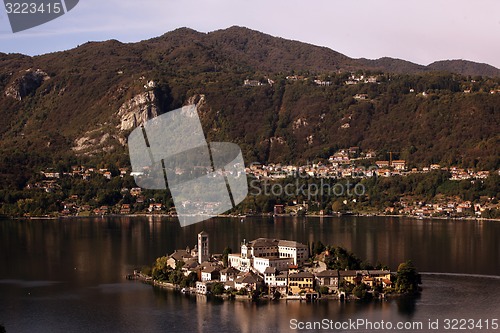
68, 275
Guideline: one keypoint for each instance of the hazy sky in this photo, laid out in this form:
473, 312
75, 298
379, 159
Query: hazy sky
420, 31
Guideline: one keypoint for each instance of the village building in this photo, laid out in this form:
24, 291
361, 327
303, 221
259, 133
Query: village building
328, 278
264, 252
249, 281
178, 257
125, 209
155, 207
349, 276
252, 83
298, 282
399, 165
382, 164
191, 266
203, 288
210, 273
228, 274
279, 209
203, 251
260, 264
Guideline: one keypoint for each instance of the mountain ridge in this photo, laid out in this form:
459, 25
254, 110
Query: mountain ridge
323, 59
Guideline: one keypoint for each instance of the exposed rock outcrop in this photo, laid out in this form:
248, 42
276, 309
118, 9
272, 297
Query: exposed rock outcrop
131, 114
198, 100
138, 110
26, 84
95, 142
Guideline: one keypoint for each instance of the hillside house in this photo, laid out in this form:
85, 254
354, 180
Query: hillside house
382, 164
399, 165
252, 83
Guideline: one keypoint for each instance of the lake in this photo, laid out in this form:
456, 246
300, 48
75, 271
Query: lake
69, 275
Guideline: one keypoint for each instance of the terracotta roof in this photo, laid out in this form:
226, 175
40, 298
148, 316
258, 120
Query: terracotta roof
180, 254
248, 278
264, 242
327, 273
191, 263
268, 242
210, 269
348, 273
205, 264
301, 275
379, 272
230, 270
270, 270
288, 243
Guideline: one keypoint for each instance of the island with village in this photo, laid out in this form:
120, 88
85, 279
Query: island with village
274, 269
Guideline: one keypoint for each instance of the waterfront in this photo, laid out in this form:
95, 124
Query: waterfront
68, 275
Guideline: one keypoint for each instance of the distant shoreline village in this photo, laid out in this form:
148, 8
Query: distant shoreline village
275, 269
351, 181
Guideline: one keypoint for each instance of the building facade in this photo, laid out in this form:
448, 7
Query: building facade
265, 252
260, 264
203, 252
300, 281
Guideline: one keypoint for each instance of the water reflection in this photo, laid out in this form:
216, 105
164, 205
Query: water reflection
85, 248
407, 306
68, 275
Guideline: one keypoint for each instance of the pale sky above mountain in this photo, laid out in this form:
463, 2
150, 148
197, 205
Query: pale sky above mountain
420, 31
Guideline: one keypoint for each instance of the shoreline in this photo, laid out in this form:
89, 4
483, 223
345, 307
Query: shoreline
191, 291
469, 218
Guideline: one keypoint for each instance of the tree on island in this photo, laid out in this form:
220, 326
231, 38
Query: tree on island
176, 277
218, 288
189, 281
342, 259
323, 290
146, 270
407, 279
225, 255
161, 270
317, 248
361, 291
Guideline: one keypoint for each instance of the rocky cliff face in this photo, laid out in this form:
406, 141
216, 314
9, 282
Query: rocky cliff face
26, 84
138, 110
131, 114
